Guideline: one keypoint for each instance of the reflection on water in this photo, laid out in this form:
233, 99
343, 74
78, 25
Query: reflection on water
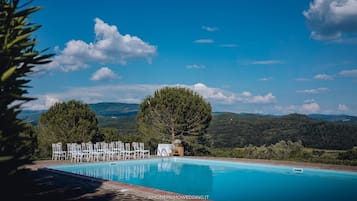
162, 174
226, 181
182, 177
115, 172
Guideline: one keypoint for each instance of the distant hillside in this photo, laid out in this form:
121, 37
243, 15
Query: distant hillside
342, 119
31, 116
104, 111
239, 130
114, 109
117, 115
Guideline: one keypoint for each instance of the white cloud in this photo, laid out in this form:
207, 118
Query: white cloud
224, 97
323, 77
314, 91
110, 46
228, 45
266, 62
50, 100
210, 29
137, 92
104, 73
264, 79
268, 98
195, 66
342, 108
308, 107
43, 102
349, 73
331, 19
287, 109
203, 41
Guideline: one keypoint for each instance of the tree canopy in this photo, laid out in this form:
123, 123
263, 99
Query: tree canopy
18, 57
174, 113
71, 121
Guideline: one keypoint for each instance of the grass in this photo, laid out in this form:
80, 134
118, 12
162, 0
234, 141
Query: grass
325, 156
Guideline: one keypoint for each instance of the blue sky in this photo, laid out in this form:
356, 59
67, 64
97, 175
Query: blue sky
269, 57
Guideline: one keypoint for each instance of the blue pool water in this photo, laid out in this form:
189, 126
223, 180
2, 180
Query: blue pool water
221, 180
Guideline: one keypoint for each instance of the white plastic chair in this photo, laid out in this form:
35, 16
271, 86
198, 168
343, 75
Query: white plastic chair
57, 152
142, 151
127, 151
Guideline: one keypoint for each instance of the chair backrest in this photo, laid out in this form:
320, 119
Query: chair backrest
111, 146
121, 146
135, 145
89, 146
56, 147
78, 147
96, 146
141, 146
127, 146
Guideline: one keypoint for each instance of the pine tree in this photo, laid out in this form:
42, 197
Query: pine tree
18, 57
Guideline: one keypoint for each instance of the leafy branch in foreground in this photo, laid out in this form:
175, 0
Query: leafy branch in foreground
18, 58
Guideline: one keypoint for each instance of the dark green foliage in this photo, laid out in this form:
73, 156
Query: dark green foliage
175, 113
281, 151
239, 130
114, 134
348, 155
18, 57
125, 124
67, 122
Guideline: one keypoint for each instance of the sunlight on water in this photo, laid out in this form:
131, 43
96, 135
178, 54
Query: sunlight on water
226, 180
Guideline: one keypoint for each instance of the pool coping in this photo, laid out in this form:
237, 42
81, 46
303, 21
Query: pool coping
321, 166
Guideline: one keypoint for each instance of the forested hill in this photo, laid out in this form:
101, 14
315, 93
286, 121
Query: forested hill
239, 130
114, 109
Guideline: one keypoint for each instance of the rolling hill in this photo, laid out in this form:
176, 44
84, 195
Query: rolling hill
239, 130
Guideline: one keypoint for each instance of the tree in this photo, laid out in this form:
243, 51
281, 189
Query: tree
18, 57
174, 113
67, 122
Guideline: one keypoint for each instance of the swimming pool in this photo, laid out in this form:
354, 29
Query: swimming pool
223, 180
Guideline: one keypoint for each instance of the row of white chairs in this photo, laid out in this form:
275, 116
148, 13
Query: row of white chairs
99, 151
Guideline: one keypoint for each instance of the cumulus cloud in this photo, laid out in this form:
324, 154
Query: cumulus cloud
110, 46
228, 45
331, 19
266, 62
308, 107
43, 102
264, 79
314, 91
195, 66
104, 73
323, 77
342, 108
137, 92
224, 97
349, 73
208, 28
203, 41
